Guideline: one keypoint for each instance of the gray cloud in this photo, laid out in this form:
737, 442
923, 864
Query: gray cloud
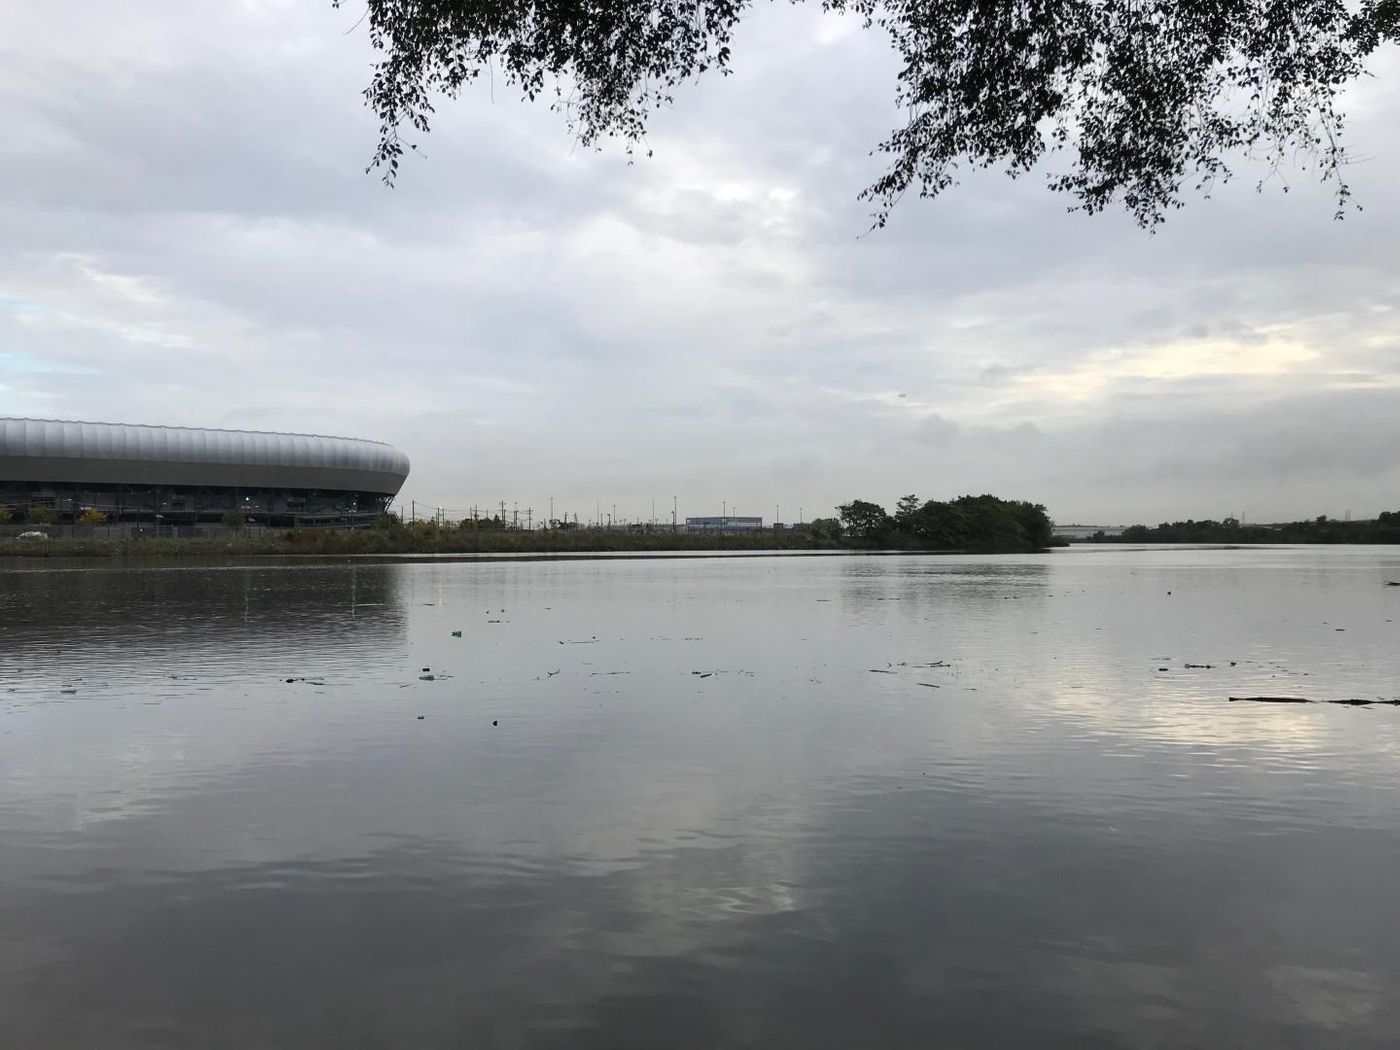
190, 239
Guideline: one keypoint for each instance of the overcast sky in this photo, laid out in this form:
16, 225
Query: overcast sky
187, 237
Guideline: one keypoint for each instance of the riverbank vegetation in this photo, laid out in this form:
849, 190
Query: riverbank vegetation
982, 524
1384, 529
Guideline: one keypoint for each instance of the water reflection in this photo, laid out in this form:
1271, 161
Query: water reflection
128, 619
826, 803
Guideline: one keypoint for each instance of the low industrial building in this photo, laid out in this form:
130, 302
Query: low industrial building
170, 476
723, 523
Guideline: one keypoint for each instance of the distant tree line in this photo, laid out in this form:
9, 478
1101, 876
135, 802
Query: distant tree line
984, 524
1322, 529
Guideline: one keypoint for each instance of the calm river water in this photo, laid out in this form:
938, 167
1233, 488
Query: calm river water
708, 802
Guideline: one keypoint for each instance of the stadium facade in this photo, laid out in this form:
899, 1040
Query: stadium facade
187, 475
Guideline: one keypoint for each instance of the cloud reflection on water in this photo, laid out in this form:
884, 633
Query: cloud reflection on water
1055, 847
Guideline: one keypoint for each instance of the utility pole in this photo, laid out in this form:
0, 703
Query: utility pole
551, 510
503, 514
673, 513
529, 519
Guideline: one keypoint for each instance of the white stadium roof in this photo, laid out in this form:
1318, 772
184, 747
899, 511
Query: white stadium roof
65, 452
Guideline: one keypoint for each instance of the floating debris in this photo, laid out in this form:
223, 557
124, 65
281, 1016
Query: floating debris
427, 678
1200, 667
1352, 702
585, 641
875, 670
930, 685
456, 634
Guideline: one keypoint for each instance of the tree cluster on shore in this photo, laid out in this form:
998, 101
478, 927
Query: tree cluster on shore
984, 524
1384, 529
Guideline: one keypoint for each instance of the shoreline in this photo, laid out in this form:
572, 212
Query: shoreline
404, 544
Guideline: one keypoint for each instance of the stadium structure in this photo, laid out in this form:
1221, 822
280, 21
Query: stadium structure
182, 476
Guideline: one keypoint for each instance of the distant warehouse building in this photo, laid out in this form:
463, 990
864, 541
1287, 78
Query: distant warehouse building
186, 475
722, 523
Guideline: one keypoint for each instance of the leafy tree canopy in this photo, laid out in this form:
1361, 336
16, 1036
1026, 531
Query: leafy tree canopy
905, 509
863, 519
1143, 101
828, 529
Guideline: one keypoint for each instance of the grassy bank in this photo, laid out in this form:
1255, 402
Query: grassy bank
407, 541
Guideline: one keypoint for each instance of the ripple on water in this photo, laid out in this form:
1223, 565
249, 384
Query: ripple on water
591, 844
